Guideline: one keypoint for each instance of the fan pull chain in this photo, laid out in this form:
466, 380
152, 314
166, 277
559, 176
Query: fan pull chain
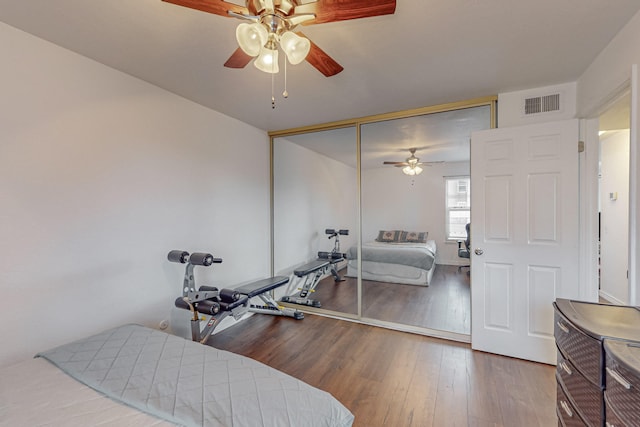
285, 93
273, 98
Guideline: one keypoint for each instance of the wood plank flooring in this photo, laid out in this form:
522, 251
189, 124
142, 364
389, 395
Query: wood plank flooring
390, 378
445, 304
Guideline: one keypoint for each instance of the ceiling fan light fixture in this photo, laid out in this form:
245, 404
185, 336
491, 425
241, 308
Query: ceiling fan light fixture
251, 37
412, 170
267, 61
296, 47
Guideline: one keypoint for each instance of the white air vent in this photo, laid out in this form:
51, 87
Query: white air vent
542, 104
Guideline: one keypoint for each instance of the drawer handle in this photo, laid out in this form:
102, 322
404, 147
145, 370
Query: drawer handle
566, 368
619, 378
563, 327
566, 408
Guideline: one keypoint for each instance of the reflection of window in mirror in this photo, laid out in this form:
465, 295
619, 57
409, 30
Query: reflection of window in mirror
457, 206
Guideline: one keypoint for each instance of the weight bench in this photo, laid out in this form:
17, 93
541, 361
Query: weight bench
219, 304
312, 272
334, 258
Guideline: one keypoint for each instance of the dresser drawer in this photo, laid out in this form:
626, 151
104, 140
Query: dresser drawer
613, 420
584, 352
585, 396
623, 380
565, 411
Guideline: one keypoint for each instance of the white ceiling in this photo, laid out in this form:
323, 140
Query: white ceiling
429, 52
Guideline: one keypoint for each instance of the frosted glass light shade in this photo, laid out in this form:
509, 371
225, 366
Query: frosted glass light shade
296, 47
251, 37
267, 61
408, 170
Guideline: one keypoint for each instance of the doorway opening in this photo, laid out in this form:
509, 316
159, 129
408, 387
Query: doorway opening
613, 201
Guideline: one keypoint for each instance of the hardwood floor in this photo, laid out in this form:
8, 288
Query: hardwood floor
445, 304
390, 378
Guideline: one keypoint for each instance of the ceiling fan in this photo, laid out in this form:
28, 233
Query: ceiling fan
412, 165
279, 18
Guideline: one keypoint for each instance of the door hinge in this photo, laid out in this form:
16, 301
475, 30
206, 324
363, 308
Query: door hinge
580, 146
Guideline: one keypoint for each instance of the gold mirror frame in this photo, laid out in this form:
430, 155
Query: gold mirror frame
490, 101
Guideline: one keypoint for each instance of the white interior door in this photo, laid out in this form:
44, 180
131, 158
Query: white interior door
524, 236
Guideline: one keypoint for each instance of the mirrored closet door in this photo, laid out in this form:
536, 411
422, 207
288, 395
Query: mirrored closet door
399, 183
315, 190
415, 209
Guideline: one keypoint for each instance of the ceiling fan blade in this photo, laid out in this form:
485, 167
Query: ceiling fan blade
217, 7
245, 17
396, 163
238, 59
341, 10
298, 19
321, 61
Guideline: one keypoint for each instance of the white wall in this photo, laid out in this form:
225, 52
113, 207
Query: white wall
311, 193
101, 175
614, 228
603, 81
511, 105
610, 71
392, 200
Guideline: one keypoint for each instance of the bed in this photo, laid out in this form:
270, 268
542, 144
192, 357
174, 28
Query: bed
402, 257
133, 375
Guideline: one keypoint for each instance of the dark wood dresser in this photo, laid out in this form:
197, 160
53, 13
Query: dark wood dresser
598, 346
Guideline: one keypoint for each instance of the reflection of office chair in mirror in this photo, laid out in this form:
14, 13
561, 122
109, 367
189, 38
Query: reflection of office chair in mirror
464, 251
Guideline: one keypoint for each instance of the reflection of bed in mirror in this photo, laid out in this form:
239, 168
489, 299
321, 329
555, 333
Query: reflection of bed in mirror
395, 257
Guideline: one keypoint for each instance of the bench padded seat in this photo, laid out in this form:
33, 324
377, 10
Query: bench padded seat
310, 267
261, 286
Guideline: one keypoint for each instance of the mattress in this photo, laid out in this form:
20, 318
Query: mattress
404, 263
391, 273
36, 393
419, 255
154, 379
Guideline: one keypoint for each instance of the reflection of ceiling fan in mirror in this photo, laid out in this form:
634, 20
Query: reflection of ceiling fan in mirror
412, 165
270, 24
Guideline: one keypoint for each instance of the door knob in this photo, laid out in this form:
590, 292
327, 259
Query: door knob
478, 251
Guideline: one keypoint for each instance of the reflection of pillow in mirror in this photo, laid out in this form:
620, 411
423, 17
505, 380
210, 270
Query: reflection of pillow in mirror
414, 237
388, 236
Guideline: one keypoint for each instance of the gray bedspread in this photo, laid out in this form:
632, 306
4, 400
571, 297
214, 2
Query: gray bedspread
191, 384
419, 255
